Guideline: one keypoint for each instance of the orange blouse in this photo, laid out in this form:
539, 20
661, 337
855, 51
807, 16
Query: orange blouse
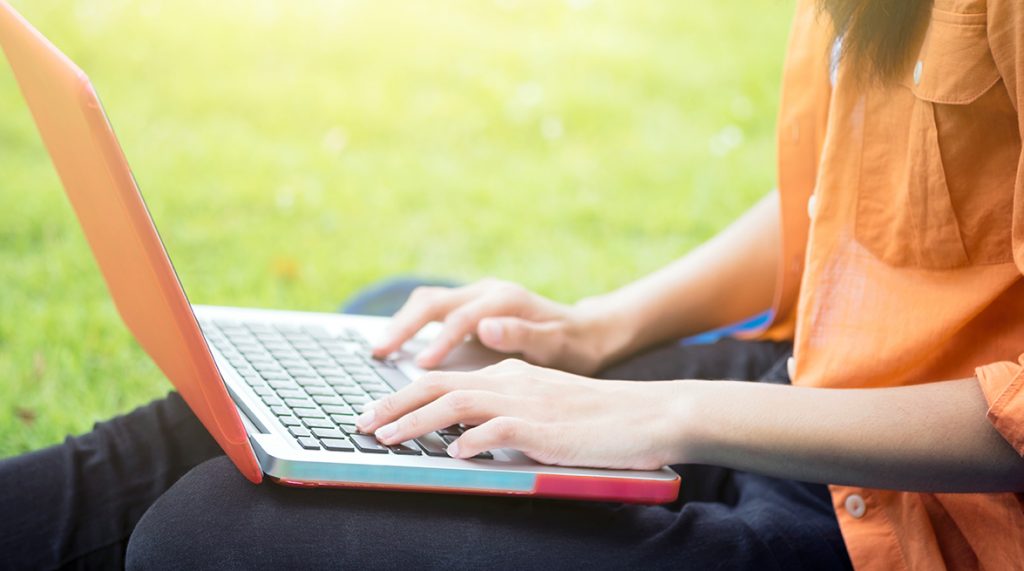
903, 252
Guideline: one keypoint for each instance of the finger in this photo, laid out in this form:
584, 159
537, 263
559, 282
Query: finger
462, 406
463, 321
498, 432
537, 342
426, 389
424, 305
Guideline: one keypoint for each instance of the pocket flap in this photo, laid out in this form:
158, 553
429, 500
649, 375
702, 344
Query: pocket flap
955, 65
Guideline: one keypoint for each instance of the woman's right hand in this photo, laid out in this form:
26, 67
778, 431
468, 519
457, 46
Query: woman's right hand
507, 318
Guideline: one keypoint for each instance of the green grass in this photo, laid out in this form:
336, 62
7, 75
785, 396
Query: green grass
292, 152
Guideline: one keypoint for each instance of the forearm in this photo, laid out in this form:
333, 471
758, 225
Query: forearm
933, 437
730, 277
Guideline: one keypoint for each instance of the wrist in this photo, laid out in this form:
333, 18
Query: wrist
690, 426
608, 328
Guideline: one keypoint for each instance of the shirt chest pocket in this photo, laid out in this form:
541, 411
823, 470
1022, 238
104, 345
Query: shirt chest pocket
940, 154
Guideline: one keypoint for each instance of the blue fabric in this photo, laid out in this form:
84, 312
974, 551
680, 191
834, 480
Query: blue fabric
747, 325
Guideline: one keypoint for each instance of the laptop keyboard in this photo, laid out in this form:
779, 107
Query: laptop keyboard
316, 383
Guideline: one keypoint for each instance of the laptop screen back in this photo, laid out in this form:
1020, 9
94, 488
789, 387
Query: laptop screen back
117, 225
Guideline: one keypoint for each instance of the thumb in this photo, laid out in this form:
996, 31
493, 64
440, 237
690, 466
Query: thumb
514, 335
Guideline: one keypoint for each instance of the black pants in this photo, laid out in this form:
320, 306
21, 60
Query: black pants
152, 489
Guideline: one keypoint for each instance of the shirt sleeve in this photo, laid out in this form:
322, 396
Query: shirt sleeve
1003, 382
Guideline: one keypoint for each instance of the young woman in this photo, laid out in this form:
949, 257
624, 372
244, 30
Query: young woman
892, 257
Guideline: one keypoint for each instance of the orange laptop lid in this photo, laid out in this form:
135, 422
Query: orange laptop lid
119, 229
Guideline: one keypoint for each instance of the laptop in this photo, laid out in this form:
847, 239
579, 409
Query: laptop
278, 390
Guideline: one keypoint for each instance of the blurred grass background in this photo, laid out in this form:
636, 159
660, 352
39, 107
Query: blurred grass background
292, 152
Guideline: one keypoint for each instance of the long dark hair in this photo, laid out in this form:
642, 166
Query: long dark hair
877, 34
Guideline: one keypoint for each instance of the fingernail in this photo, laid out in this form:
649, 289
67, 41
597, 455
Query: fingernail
492, 330
453, 449
387, 431
367, 417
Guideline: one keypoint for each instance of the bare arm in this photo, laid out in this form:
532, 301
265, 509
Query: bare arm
932, 438
730, 277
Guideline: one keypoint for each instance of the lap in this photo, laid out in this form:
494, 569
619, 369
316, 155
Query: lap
213, 516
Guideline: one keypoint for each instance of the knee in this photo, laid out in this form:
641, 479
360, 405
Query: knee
180, 530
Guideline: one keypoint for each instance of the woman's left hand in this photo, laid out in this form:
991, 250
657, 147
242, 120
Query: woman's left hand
551, 416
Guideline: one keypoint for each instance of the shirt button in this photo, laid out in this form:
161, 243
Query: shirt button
918, 69
855, 505
812, 206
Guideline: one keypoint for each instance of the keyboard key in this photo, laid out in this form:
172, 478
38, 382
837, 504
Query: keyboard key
300, 371
483, 456
338, 444
453, 430
253, 381
319, 391
328, 433
325, 400
407, 448
432, 445
345, 417
317, 331
275, 344
332, 372
298, 431
271, 400
309, 381
349, 390
356, 399
348, 427
367, 443
309, 443
299, 403
263, 391
275, 375
289, 421
379, 364
338, 409
308, 413
395, 378
272, 367
317, 423
339, 380
286, 384
281, 411
291, 394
